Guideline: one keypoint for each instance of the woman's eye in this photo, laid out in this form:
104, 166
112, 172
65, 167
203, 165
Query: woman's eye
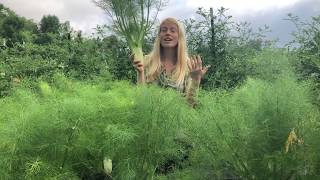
173, 30
163, 30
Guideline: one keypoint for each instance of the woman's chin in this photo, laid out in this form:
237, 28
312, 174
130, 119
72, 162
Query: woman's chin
168, 45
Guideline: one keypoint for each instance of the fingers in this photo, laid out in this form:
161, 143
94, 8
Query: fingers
137, 64
199, 62
134, 59
189, 64
205, 69
195, 63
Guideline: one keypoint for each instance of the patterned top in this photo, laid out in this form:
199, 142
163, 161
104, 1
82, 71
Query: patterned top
188, 88
165, 81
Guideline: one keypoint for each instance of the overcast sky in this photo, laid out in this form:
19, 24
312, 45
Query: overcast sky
84, 15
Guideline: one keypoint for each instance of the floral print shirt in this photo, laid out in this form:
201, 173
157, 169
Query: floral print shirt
188, 88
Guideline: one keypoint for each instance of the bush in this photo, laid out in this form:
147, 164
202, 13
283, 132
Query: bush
262, 130
68, 133
244, 134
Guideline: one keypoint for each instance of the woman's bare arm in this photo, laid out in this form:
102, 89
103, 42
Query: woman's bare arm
196, 72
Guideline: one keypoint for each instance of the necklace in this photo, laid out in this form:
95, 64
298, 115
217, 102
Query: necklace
168, 68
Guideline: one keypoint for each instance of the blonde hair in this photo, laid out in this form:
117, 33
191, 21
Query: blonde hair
153, 61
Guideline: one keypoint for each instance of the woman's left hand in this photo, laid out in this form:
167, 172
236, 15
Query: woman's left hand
195, 68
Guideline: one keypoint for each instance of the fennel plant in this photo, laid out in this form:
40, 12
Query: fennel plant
132, 19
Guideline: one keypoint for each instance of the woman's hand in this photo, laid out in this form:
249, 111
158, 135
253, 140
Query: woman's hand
195, 68
137, 64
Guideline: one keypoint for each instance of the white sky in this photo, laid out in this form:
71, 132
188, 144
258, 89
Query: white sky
85, 15
235, 7
243, 6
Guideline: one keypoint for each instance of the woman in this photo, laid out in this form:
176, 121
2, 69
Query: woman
168, 64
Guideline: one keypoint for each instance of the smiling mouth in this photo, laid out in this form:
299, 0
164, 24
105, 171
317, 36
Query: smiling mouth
167, 39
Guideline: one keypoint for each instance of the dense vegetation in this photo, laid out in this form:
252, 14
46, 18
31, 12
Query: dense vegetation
69, 102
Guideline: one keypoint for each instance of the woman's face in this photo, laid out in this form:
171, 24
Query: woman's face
169, 35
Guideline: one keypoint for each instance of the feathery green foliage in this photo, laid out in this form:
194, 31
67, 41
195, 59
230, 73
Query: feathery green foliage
65, 129
132, 19
246, 133
72, 131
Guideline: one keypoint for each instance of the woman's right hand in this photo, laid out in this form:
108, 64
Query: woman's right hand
138, 65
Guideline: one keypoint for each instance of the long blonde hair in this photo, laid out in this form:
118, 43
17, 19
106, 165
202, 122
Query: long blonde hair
153, 61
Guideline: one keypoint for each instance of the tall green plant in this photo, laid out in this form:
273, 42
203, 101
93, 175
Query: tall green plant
306, 49
132, 19
68, 128
227, 50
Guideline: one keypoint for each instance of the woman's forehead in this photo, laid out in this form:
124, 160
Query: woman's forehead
168, 24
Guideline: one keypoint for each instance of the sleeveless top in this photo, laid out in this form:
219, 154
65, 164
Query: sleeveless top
164, 80
187, 88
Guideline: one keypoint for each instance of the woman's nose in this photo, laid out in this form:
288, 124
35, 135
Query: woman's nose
168, 32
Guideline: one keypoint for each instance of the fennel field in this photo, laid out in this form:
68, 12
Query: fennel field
70, 108
266, 128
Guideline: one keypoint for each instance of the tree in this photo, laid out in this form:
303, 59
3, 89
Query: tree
49, 24
49, 29
306, 45
66, 30
11, 30
234, 44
